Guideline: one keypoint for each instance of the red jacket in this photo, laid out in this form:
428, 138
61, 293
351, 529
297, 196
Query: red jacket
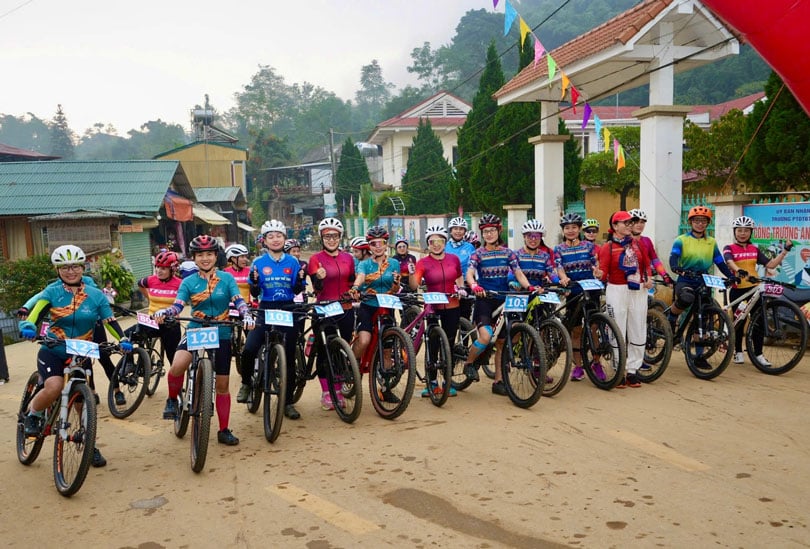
610, 263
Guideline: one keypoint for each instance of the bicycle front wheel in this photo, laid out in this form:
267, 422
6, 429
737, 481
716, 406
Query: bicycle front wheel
301, 374
524, 373
558, 352
73, 452
784, 336
28, 448
658, 347
343, 377
237, 345
275, 391
391, 381
438, 365
604, 351
156, 363
708, 343
467, 335
254, 400
130, 377
200, 411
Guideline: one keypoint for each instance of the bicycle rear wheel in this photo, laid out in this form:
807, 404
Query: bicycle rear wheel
559, 355
201, 408
658, 348
438, 365
784, 331
131, 377
604, 351
237, 345
254, 400
391, 382
181, 421
28, 448
525, 374
344, 381
467, 335
301, 374
73, 453
156, 363
708, 343
275, 391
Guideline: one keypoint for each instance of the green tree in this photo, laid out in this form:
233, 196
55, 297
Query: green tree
599, 169
428, 177
712, 154
373, 94
427, 67
779, 156
572, 164
20, 279
352, 172
26, 132
62, 137
406, 98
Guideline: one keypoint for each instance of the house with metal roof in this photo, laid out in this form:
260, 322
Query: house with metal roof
229, 203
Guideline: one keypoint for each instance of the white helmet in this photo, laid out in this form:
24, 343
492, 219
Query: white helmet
359, 243
330, 223
744, 222
457, 222
68, 255
273, 226
639, 213
435, 229
533, 226
235, 250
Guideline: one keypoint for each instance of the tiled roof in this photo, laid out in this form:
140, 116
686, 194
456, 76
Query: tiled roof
14, 154
443, 109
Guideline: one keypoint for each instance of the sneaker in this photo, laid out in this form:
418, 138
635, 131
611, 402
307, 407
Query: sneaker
763, 361
389, 397
597, 370
98, 459
645, 367
498, 388
622, 384
244, 393
452, 392
326, 401
702, 364
226, 437
432, 388
577, 373
119, 399
33, 425
171, 411
738, 358
633, 381
472, 372
290, 412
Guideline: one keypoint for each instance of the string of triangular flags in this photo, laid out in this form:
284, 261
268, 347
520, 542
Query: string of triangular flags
510, 14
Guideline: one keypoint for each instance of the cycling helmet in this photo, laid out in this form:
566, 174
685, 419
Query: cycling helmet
401, 241
188, 268
167, 259
235, 250
457, 222
489, 220
700, 210
376, 231
590, 223
471, 237
571, 219
533, 226
203, 243
68, 255
639, 213
330, 223
744, 222
290, 244
273, 226
359, 243
435, 229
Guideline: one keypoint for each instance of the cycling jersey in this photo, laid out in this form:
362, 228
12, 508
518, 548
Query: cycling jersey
690, 253
242, 282
340, 275
378, 278
493, 267
461, 249
278, 279
538, 267
440, 275
747, 257
210, 298
86, 280
161, 294
649, 248
577, 261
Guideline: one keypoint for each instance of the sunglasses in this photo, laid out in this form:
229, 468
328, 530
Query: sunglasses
535, 236
377, 243
332, 236
591, 231
434, 241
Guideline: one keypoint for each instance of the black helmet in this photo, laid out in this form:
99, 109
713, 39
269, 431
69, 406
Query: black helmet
489, 220
571, 219
203, 243
376, 231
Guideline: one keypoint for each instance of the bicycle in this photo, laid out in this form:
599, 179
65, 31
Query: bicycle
659, 343
144, 335
555, 337
71, 418
423, 324
779, 323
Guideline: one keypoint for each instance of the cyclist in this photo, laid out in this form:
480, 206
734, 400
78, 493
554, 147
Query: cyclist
460, 247
472, 238
74, 308
332, 272
238, 261
491, 264
742, 257
187, 268
359, 248
535, 258
441, 272
590, 230
627, 271
576, 260
647, 244
275, 278
407, 261
209, 292
293, 247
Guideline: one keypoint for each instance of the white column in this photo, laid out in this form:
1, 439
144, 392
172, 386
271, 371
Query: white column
726, 208
549, 200
516, 216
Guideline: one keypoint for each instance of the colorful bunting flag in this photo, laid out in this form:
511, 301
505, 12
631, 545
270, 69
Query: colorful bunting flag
524, 30
621, 162
586, 115
564, 81
615, 150
552, 67
606, 137
509, 17
574, 99
494, 3
538, 50
597, 125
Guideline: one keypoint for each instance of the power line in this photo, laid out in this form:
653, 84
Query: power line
12, 10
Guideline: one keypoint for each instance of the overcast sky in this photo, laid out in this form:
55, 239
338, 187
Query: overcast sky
130, 62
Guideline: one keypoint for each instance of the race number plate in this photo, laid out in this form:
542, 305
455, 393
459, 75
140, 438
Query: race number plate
147, 320
80, 347
549, 297
774, 290
389, 301
591, 284
436, 298
277, 317
332, 309
712, 281
43, 329
233, 312
516, 303
202, 338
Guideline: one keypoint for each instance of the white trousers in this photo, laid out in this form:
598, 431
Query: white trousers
629, 309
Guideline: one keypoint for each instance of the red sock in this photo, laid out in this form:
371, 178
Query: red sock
223, 410
175, 384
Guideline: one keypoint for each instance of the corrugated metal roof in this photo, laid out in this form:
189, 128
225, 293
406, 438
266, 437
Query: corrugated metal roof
88, 214
217, 194
137, 186
196, 143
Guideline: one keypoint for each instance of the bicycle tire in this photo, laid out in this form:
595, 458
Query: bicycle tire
392, 388
254, 400
440, 368
602, 338
344, 375
275, 393
467, 334
301, 374
785, 336
525, 376
716, 342
156, 362
559, 354
237, 345
181, 421
658, 347
200, 412
28, 448
72, 455
131, 375
407, 316
657, 304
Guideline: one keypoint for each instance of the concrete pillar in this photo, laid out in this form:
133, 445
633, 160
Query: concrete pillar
726, 208
516, 216
549, 200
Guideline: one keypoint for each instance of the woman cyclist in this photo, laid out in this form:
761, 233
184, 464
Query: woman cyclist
407, 261
293, 247
536, 260
490, 264
359, 248
590, 231
332, 273
238, 267
441, 272
275, 278
73, 308
209, 292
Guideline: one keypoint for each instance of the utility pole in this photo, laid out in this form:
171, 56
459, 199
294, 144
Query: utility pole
332, 158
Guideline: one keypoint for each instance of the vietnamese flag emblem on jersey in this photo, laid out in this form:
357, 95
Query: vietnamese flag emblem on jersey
287, 271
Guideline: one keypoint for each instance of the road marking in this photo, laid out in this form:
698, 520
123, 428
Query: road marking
660, 451
337, 516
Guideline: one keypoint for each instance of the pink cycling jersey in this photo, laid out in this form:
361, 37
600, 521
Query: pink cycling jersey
440, 275
339, 274
161, 293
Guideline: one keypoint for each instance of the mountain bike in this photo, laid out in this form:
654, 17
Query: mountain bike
659, 343
71, 418
269, 377
144, 335
776, 328
555, 337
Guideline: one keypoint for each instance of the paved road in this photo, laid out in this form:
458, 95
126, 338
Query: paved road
679, 463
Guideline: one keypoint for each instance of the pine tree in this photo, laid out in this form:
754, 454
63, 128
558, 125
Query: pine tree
62, 137
429, 175
352, 172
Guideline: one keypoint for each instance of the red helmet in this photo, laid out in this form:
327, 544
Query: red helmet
167, 259
203, 243
700, 210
